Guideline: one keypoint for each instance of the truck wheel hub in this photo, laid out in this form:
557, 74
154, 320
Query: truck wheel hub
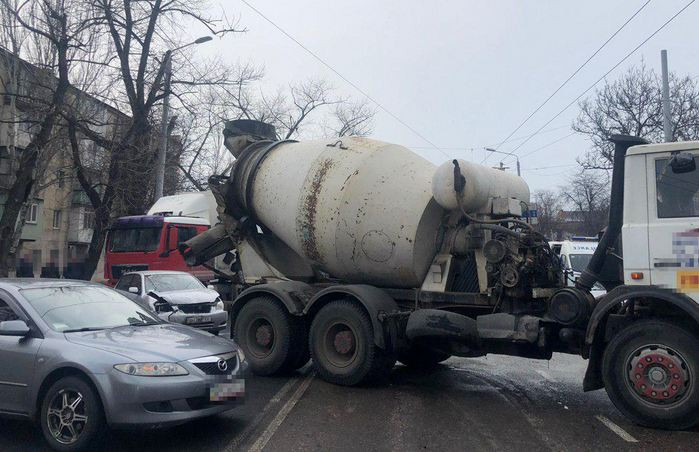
263, 335
344, 342
658, 374
340, 344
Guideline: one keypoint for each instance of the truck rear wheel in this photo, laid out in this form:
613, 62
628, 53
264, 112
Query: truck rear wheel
342, 346
273, 340
650, 372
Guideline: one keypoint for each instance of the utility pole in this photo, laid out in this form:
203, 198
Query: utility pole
164, 122
162, 151
667, 124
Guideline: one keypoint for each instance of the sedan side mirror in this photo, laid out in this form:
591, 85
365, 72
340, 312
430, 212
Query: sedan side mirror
133, 290
211, 287
14, 328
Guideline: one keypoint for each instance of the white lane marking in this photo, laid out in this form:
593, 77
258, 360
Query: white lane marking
281, 415
616, 429
543, 373
235, 444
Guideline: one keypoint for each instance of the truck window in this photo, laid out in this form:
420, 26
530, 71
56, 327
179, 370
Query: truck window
184, 234
134, 240
677, 194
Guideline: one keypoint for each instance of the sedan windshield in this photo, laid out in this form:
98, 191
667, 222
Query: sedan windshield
169, 282
83, 308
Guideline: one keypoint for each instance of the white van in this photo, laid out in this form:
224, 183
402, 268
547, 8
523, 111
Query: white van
575, 255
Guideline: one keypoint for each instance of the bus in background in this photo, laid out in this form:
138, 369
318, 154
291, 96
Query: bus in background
149, 242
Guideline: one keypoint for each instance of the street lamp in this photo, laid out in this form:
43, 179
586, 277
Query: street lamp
162, 151
506, 153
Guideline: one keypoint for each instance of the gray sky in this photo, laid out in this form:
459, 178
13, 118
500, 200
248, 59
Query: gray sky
464, 73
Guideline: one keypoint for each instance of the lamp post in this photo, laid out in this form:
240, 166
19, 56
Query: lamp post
506, 153
162, 150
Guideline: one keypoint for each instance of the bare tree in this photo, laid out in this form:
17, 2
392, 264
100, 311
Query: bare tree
137, 34
549, 205
588, 195
52, 32
352, 118
631, 105
293, 113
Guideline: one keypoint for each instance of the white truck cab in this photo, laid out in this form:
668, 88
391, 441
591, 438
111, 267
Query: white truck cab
660, 231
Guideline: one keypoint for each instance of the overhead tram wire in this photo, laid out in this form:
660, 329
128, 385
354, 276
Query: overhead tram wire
542, 147
549, 144
536, 110
472, 148
604, 76
321, 61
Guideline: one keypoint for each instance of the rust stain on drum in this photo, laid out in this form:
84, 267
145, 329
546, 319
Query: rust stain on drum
307, 218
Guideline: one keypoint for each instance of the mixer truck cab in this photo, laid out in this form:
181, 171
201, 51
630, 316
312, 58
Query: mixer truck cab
357, 253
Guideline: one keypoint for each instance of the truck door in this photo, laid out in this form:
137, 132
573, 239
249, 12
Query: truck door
673, 224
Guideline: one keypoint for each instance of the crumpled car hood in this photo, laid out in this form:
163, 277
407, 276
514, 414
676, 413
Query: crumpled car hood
192, 296
163, 342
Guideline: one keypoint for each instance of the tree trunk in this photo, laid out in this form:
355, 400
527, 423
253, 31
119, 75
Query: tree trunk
25, 176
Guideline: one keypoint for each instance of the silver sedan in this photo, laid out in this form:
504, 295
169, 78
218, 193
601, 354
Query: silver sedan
78, 357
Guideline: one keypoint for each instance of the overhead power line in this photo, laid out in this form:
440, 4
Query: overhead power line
349, 82
549, 144
474, 148
605, 74
549, 167
536, 110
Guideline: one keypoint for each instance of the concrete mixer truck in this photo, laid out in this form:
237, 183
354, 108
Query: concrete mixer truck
358, 253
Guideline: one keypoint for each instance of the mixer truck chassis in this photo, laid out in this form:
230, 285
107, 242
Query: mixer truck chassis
356, 254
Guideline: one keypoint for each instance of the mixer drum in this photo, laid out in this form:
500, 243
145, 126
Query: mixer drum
359, 209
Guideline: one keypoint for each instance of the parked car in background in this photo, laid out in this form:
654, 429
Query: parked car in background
176, 297
84, 357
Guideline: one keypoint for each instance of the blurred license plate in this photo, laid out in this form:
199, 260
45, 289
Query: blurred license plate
198, 320
233, 389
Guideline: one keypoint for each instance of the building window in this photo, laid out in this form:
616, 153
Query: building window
57, 219
88, 219
32, 213
5, 162
60, 176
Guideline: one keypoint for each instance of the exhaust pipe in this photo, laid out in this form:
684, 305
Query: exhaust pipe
594, 271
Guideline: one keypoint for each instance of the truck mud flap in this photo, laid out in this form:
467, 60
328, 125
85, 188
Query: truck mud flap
437, 324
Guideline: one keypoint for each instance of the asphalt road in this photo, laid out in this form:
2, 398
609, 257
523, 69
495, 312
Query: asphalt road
492, 403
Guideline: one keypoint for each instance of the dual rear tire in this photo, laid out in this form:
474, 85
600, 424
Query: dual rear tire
340, 340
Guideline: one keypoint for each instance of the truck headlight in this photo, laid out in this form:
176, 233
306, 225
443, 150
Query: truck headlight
152, 369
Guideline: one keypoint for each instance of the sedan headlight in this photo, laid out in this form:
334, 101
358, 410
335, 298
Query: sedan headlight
241, 355
219, 306
152, 369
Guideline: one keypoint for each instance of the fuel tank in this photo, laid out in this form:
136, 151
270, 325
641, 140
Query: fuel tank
359, 209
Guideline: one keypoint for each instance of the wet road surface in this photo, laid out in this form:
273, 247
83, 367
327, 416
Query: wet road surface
492, 403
